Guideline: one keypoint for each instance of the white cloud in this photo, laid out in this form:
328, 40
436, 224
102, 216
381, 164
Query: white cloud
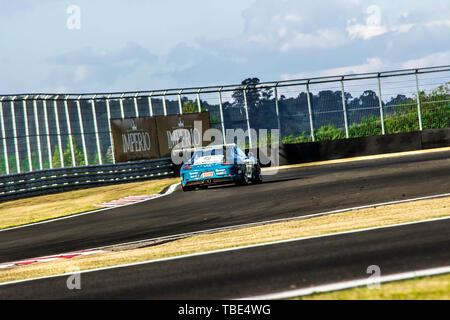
365, 31
93, 69
370, 65
376, 64
278, 37
380, 20
292, 18
322, 38
81, 74
438, 23
373, 26
431, 60
289, 39
403, 27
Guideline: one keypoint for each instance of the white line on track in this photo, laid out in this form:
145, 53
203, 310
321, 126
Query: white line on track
231, 249
170, 190
350, 284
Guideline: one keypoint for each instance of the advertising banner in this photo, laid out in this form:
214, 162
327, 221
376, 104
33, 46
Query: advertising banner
134, 139
154, 137
183, 130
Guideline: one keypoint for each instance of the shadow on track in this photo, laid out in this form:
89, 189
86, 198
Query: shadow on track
231, 185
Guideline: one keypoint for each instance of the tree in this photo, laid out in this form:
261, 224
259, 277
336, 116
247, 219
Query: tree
67, 155
369, 98
56, 159
266, 93
191, 107
109, 155
78, 153
399, 99
2, 165
251, 91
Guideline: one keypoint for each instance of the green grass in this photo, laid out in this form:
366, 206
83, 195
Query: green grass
426, 288
24, 211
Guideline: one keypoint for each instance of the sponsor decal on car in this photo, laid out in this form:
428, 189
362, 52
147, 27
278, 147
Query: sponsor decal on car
220, 171
207, 174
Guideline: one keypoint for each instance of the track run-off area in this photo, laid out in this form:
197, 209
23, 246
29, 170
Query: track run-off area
292, 192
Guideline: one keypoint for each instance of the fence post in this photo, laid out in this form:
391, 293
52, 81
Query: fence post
83, 138
344, 107
5, 145
69, 131
122, 111
150, 105
247, 118
419, 111
164, 103
198, 100
27, 132
16, 142
47, 132
108, 118
58, 130
311, 120
221, 116
136, 108
97, 137
380, 101
277, 111
38, 132
180, 104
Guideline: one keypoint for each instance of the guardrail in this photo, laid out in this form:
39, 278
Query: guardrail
21, 185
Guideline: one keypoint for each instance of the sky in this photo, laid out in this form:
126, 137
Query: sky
58, 46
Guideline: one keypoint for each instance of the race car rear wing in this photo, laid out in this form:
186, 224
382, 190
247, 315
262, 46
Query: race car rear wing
217, 146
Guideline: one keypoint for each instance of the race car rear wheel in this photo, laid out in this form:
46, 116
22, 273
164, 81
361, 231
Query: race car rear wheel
257, 178
243, 181
187, 188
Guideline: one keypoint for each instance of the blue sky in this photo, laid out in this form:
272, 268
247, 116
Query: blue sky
143, 45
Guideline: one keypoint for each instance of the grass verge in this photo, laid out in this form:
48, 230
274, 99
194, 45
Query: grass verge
427, 288
364, 218
24, 211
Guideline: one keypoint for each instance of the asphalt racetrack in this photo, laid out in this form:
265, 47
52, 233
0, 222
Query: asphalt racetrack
291, 192
258, 270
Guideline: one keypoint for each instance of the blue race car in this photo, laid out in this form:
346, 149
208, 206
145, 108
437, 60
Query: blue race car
219, 165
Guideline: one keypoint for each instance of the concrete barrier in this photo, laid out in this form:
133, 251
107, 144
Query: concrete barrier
435, 138
354, 147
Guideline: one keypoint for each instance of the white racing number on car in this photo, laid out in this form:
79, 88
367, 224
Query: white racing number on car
207, 174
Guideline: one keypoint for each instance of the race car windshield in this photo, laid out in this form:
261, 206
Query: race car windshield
205, 153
